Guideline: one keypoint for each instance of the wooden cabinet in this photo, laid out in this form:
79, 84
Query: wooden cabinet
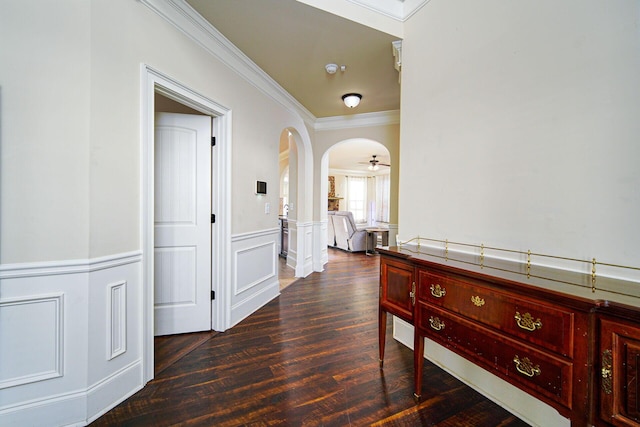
397, 290
618, 367
578, 355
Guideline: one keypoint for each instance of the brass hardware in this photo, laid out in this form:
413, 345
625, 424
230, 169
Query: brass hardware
526, 322
477, 301
416, 241
436, 323
607, 372
525, 367
482, 256
438, 291
412, 294
593, 275
446, 249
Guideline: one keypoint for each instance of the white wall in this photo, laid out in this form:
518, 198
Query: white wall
520, 126
70, 222
44, 102
519, 129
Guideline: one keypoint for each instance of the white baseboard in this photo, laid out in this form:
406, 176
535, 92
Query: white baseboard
72, 299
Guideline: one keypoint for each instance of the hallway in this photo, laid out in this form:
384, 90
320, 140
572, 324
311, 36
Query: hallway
309, 357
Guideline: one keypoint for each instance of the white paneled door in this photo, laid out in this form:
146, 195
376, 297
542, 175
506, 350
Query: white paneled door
182, 213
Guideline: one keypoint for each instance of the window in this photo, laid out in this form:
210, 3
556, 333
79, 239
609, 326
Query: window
382, 198
357, 197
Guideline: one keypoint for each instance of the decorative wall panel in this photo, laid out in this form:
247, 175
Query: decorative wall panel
117, 319
31, 339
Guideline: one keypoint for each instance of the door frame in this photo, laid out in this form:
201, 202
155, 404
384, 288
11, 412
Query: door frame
153, 81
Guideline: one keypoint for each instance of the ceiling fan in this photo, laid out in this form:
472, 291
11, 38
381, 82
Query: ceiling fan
374, 164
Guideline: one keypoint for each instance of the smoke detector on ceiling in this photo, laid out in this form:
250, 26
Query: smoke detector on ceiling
331, 68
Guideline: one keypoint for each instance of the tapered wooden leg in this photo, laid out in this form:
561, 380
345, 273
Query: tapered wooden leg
382, 332
418, 363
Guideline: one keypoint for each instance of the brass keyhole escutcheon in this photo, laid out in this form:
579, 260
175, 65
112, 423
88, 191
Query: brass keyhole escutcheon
477, 301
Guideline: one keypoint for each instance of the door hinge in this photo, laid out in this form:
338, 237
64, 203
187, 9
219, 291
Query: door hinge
213, 218
213, 141
213, 295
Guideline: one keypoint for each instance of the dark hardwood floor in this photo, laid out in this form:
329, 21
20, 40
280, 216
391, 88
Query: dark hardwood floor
308, 358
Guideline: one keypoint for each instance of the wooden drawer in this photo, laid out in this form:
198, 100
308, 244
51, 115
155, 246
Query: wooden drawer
541, 373
541, 324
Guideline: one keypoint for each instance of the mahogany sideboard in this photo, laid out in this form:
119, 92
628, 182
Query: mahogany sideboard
579, 355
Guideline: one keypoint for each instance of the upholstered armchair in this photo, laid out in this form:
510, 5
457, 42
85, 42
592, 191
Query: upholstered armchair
347, 235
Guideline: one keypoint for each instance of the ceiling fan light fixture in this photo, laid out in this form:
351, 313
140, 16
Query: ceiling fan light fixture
351, 100
373, 167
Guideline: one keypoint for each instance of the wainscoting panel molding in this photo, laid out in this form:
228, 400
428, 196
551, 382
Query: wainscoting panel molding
254, 272
263, 266
31, 330
70, 339
117, 319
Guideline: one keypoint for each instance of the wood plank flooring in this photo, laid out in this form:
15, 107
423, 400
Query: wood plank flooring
308, 358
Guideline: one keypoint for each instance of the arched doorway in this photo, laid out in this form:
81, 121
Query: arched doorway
299, 203
348, 162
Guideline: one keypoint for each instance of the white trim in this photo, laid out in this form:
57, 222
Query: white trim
186, 19
381, 118
116, 319
152, 80
102, 391
272, 274
58, 363
79, 266
193, 25
400, 10
253, 234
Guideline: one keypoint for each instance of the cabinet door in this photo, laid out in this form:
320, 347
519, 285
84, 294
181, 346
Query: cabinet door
618, 374
396, 286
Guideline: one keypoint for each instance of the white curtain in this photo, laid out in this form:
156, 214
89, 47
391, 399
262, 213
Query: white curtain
383, 183
356, 197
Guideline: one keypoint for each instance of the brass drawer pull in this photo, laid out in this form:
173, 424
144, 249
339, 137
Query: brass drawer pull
436, 323
526, 322
525, 367
606, 371
438, 291
477, 301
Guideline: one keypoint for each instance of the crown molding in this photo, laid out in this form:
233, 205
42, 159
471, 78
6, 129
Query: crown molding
400, 10
193, 25
381, 118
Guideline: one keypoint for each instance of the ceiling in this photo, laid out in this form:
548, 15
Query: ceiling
292, 42
355, 154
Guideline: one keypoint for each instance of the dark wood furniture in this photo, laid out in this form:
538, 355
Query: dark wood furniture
618, 354
284, 237
372, 239
541, 341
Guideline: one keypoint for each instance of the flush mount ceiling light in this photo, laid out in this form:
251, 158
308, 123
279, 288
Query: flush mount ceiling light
351, 100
